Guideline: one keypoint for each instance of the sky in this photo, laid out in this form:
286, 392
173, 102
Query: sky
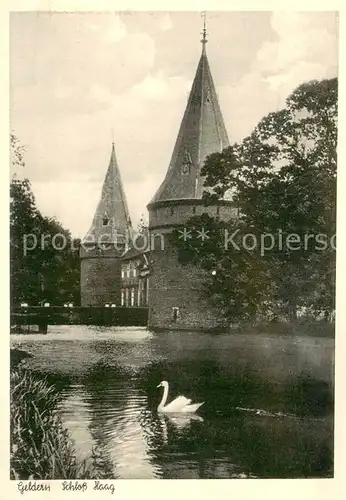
79, 81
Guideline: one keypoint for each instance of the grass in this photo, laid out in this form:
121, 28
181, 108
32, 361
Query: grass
41, 448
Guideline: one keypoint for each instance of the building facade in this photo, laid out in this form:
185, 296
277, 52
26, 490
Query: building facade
135, 279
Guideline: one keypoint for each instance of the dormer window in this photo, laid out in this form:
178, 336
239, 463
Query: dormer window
105, 221
185, 169
187, 162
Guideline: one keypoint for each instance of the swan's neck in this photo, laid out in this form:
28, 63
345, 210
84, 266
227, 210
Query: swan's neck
164, 397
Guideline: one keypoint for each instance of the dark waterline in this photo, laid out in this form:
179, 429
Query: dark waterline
268, 408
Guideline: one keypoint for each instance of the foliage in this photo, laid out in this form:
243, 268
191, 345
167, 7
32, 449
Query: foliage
282, 179
44, 262
41, 447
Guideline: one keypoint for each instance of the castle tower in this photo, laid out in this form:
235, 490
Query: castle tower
175, 299
105, 243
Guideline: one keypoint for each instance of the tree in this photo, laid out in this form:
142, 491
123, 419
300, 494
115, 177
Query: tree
44, 263
283, 182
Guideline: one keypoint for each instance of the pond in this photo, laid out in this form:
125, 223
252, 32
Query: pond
267, 412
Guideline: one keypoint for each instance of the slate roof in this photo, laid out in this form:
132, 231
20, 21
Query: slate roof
111, 220
201, 133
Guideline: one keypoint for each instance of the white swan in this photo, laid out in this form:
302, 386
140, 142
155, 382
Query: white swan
179, 405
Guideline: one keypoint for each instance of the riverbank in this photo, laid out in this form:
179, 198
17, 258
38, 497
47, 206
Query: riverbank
41, 448
302, 327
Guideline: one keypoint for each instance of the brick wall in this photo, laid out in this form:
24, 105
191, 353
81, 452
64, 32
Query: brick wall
178, 212
172, 285
100, 281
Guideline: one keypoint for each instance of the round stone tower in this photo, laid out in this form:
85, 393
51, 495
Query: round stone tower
105, 243
175, 291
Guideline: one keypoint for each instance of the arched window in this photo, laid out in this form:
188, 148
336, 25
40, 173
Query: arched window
105, 221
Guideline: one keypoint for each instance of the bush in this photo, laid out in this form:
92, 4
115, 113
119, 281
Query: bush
41, 447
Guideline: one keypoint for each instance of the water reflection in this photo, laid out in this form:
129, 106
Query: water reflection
260, 418
137, 442
178, 422
111, 419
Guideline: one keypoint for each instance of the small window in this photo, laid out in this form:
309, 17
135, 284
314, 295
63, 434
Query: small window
172, 211
122, 273
105, 221
122, 297
132, 296
134, 272
217, 210
193, 210
175, 314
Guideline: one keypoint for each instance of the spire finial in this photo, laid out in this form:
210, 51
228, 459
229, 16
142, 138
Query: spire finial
204, 32
112, 136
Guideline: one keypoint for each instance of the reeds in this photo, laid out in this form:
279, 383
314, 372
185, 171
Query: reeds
41, 447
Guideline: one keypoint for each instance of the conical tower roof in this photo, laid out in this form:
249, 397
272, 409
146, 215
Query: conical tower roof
111, 220
201, 133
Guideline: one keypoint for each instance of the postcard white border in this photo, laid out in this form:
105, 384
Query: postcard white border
151, 489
